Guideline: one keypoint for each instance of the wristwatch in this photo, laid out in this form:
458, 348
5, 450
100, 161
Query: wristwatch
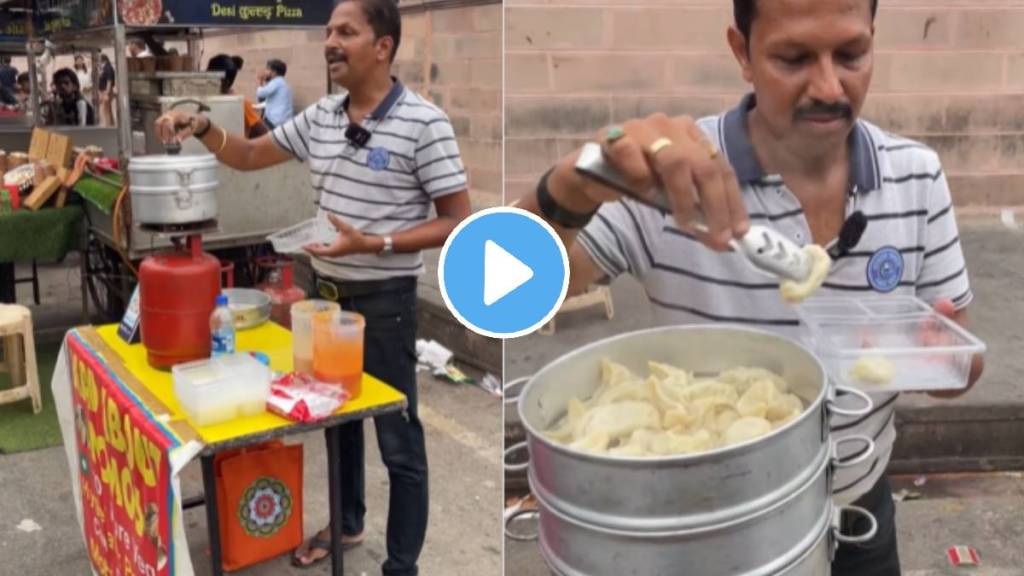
389, 247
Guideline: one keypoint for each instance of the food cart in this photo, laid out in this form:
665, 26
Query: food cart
251, 205
55, 231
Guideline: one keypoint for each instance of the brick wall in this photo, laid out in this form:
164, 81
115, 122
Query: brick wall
450, 54
947, 72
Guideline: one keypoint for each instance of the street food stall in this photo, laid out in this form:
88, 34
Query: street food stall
139, 400
252, 205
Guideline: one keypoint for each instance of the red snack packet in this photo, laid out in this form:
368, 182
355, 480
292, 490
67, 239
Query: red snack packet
963, 556
301, 398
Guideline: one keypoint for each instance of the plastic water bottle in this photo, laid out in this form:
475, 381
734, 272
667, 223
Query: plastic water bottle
222, 328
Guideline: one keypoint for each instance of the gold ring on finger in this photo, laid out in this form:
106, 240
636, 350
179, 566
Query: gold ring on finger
659, 145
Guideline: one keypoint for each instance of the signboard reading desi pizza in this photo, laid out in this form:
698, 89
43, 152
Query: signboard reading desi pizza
124, 473
224, 13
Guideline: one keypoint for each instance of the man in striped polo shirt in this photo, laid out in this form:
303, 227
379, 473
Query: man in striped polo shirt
380, 157
794, 156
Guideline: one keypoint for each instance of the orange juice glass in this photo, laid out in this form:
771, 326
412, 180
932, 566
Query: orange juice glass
302, 331
338, 350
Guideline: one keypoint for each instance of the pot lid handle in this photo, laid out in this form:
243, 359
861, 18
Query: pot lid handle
513, 389
173, 147
520, 447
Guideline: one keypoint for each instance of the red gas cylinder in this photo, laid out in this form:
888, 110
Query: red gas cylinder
281, 288
177, 293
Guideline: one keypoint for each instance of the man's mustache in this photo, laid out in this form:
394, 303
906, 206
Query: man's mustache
334, 56
824, 109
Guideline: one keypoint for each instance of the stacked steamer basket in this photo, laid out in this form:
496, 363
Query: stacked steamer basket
760, 508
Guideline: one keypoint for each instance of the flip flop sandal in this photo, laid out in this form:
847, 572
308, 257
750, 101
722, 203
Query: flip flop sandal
318, 543
315, 543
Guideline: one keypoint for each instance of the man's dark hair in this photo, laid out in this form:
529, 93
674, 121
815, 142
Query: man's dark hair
69, 74
239, 62
384, 18
5, 60
22, 78
744, 12
224, 63
279, 67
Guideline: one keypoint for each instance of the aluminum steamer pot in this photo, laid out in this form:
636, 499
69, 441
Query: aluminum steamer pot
684, 492
173, 189
781, 539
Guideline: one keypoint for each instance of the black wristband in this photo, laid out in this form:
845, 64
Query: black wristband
199, 135
552, 212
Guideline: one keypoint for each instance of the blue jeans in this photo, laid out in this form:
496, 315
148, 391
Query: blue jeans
389, 355
879, 556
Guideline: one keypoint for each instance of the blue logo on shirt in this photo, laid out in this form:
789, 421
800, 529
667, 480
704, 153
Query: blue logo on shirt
378, 159
885, 269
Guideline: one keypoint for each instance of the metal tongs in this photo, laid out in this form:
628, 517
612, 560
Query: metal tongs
764, 248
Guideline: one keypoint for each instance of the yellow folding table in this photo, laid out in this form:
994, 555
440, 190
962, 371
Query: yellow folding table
155, 390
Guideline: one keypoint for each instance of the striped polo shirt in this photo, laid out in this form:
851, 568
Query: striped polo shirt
387, 185
910, 247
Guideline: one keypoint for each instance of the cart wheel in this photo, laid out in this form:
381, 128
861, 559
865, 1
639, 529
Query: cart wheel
107, 280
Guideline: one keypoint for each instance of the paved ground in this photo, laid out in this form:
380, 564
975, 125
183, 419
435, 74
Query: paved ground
463, 444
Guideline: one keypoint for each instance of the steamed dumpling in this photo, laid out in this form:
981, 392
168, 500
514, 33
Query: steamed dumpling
796, 292
670, 412
620, 419
744, 429
873, 370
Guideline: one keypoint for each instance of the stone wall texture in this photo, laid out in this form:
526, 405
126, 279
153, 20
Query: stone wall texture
450, 52
947, 72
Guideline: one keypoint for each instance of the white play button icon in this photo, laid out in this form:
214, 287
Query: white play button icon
503, 273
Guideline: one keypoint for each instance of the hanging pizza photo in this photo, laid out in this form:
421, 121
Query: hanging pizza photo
140, 12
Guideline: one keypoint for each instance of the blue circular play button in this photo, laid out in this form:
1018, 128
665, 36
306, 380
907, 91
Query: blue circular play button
503, 272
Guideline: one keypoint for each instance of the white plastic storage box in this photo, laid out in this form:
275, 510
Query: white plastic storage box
222, 388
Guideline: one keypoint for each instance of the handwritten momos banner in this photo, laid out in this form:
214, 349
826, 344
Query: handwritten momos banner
124, 473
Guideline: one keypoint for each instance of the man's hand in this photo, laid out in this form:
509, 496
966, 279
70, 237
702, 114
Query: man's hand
946, 308
674, 154
349, 241
175, 126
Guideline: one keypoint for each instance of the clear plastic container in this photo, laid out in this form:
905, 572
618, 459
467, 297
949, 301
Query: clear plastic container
302, 331
312, 231
888, 344
222, 388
